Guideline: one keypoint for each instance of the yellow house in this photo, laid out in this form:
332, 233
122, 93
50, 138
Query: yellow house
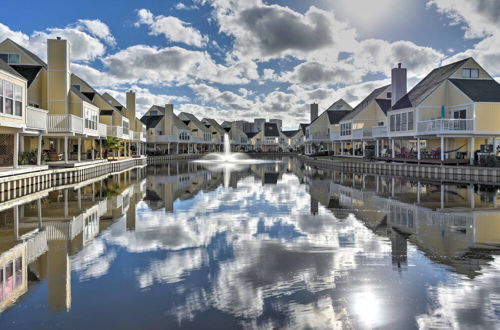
325, 128
269, 139
166, 133
217, 130
356, 126
449, 116
201, 136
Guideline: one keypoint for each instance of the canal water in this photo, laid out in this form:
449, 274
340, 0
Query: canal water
269, 246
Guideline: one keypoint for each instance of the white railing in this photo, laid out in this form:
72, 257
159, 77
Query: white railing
335, 136
167, 138
102, 130
36, 118
36, 244
65, 123
361, 133
379, 131
115, 131
319, 136
445, 125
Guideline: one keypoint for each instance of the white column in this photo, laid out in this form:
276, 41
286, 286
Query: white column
93, 149
471, 196
442, 196
16, 221
418, 148
393, 152
442, 148
65, 149
377, 148
15, 161
472, 147
100, 148
39, 207
79, 150
21, 143
39, 151
418, 192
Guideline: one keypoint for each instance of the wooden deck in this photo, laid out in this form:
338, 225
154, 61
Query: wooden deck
425, 161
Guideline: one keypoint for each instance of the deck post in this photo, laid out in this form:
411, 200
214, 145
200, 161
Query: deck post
79, 150
393, 152
39, 151
442, 148
15, 161
418, 148
471, 152
66, 150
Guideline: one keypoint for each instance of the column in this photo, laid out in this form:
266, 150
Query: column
16, 222
377, 148
418, 191
442, 148
79, 151
39, 151
15, 161
442, 196
39, 207
100, 148
471, 196
393, 152
93, 149
65, 149
66, 210
418, 148
472, 147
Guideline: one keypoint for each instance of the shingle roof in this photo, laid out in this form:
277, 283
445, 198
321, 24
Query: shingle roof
82, 96
366, 101
303, 127
335, 116
27, 71
195, 120
106, 112
427, 85
251, 134
151, 121
384, 104
7, 68
271, 129
214, 124
479, 90
290, 133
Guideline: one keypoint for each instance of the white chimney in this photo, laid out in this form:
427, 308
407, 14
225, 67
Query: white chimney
398, 84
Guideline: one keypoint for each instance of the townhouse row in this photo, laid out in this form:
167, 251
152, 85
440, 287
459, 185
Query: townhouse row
168, 133
450, 116
50, 115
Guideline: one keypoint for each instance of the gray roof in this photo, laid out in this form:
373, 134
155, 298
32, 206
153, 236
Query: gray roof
335, 116
290, 133
366, 101
177, 122
384, 104
151, 121
213, 123
303, 127
427, 85
82, 96
196, 121
479, 90
271, 129
7, 68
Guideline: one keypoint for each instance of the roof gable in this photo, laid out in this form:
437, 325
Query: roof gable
427, 85
340, 104
479, 90
271, 129
7, 68
151, 121
26, 52
366, 102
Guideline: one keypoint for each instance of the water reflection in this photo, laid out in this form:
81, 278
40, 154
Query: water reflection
276, 245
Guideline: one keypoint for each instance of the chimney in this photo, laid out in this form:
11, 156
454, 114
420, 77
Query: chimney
169, 119
130, 105
314, 112
59, 75
398, 84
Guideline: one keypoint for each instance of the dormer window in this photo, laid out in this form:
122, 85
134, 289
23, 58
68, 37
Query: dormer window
77, 87
470, 73
11, 58
153, 113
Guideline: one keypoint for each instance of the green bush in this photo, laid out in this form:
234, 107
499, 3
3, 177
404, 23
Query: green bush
489, 161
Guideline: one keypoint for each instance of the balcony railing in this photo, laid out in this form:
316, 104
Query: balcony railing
379, 131
139, 136
115, 131
361, 133
65, 123
445, 125
36, 118
319, 136
102, 130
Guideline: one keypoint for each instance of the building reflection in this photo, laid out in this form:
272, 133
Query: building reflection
456, 225
40, 233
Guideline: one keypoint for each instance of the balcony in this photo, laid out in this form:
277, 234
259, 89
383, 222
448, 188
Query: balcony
362, 133
65, 124
139, 136
115, 131
445, 126
36, 118
379, 131
320, 136
102, 130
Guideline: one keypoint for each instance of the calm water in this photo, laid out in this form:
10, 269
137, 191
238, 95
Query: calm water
265, 247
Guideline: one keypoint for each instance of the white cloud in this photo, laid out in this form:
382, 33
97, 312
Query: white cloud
172, 28
98, 29
17, 36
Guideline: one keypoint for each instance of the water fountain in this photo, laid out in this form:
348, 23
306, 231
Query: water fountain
228, 161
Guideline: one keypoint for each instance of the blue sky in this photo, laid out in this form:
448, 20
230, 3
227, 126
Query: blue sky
233, 59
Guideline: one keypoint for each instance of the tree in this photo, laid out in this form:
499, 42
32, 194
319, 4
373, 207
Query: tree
113, 144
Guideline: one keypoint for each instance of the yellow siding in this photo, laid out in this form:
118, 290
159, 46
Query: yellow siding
320, 125
8, 47
437, 98
428, 114
488, 117
455, 96
470, 64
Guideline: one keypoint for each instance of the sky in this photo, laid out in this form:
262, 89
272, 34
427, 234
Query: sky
242, 59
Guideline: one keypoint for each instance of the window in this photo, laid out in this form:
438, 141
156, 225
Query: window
389, 95
77, 87
90, 117
404, 121
183, 136
398, 122
153, 112
410, 120
11, 98
18, 100
345, 129
11, 58
19, 271
125, 125
470, 73
393, 123
207, 137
